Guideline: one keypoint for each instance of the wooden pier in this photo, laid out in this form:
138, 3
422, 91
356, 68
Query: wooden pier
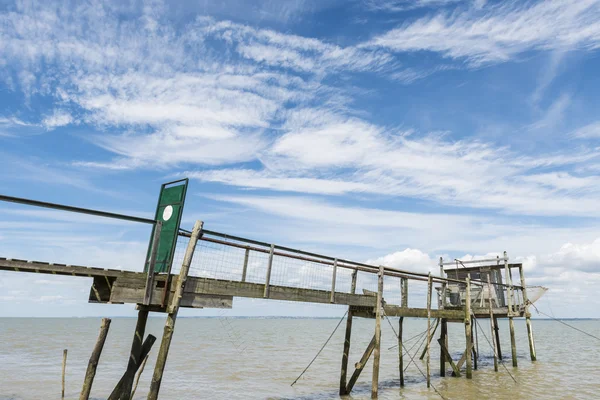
466, 290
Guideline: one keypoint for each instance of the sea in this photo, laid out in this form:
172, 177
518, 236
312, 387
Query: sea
259, 358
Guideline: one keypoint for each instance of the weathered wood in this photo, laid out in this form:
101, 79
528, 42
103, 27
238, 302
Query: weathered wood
396, 311
359, 366
442, 341
123, 390
137, 378
404, 283
245, 268
346, 352
429, 290
437, 322
447, 357
527, 316
64, 370
332, 299
497, 334
443, 291
377, 351
462, 360
173, 310
268, 277
492, 331
469, 372
475, 352
90, 373
513, 342
256, 290
7, 264
152, 264
400, 351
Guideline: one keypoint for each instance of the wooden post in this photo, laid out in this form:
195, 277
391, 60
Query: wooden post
346, 353
513, 343
474, 339
332, 298
443, 291
360, 365
400, 351
90, 373
173, 310
424, 353
429, 285
137, 378
64, 370
468, 329
268, 277
123, 389
492, 324
152, 263
527, 316
377, 350
443, 342
404, 282
497, 334
245, 270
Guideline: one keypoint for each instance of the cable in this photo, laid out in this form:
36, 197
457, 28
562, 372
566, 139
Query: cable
564, 323
412, 358
328, 339
492, 347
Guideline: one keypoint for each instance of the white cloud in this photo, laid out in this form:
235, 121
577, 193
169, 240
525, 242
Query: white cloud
57, 119
589, 131
408, 259
499, 33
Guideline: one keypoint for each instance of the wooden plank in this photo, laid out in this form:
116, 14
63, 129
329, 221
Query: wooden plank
7, 264
397, 311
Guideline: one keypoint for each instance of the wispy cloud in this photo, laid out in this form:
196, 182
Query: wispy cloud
499, 33
590, 131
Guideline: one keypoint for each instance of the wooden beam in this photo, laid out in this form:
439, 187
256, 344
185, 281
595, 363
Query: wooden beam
442, 341
429, 290
400, 351
346, 352
161, 359
377, 350
447, 357
359, 366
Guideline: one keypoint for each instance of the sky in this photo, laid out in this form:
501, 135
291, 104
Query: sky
388, 131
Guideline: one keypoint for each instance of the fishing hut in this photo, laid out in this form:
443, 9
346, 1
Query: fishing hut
202, 268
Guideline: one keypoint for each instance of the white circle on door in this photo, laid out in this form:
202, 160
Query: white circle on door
167, 213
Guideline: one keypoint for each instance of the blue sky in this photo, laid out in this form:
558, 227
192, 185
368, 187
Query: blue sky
377, 130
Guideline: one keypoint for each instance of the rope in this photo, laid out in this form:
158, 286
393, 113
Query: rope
564, 323
492, 347
412, 358
409, 339
319, 352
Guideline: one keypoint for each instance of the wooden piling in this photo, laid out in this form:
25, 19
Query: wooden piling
443, 342
346, 352
359, 366
497, 335
443, 291
492, 320
468, 329
90, 373
400, 351
513, 343
474, 338
377, 350
527, 316
122, 390
173, 310
429, 287
64, 370
139, 375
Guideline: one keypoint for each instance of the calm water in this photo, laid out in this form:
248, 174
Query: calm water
226, 358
